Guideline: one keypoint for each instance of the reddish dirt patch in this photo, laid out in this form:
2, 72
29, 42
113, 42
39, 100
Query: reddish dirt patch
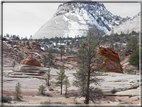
24, 93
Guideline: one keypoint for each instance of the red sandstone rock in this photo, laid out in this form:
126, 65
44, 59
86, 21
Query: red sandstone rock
30, 61
111, 63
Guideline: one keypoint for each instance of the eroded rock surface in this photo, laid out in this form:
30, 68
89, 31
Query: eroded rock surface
30, 61
111, 63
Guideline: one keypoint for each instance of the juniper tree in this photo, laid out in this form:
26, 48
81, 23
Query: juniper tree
61, 77
17, 93
47, 77
86, 75
67, 84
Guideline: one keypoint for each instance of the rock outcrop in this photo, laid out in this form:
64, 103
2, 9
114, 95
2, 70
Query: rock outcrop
111, 63
30, 61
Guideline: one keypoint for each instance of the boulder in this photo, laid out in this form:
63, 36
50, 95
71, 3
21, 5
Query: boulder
111, 63
30, 61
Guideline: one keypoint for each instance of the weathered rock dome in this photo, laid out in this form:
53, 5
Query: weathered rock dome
30, 61
111, 63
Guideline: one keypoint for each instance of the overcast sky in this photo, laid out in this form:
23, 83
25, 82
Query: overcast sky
25, 19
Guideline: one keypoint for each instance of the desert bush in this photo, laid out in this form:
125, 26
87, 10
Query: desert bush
6, 99
77, 103
41, 72
17, 93
59, 103
51, 89
113, 91
66, 96
42, 90
46, 102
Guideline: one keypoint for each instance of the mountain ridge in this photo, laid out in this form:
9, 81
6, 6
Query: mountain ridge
75, 19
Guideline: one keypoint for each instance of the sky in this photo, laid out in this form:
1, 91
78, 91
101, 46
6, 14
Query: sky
25, 19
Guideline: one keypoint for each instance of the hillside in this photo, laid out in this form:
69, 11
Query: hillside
75, 19
132, 24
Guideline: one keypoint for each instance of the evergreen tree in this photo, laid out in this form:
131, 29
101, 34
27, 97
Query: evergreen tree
45, 61
17, 93
47, 77
42, 89
132, 44
134, 59
67, 84
62, 51
86, 75
61, 77
50, 57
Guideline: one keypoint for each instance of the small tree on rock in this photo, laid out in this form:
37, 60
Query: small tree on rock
67, 84
42, 89
61, 77
17, 93
47, 77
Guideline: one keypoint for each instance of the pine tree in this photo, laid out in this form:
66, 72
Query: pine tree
47, 77
132, 45
44, 60
42, 89
62, 51
134, 58
61, 77
17, 93
50, 57
67, 84
86, 75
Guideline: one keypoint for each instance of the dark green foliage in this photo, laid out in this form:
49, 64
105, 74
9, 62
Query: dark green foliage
6, 99
67, 84
61, 77
48, 59
77, 103
66, 96
42, 90
132, 44
45, 61
17, 93
62, 48
51, 89
46, 102
47, 77
41, 72
86, 75
134, 59
113, 91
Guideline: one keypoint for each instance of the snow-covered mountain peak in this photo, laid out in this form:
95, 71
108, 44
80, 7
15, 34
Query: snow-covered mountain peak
75, 18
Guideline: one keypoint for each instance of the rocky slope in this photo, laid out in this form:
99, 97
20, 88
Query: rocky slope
132, 24
74, 19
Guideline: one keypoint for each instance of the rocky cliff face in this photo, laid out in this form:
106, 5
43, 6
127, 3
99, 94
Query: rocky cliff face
111, 63
30, 61
74, 19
